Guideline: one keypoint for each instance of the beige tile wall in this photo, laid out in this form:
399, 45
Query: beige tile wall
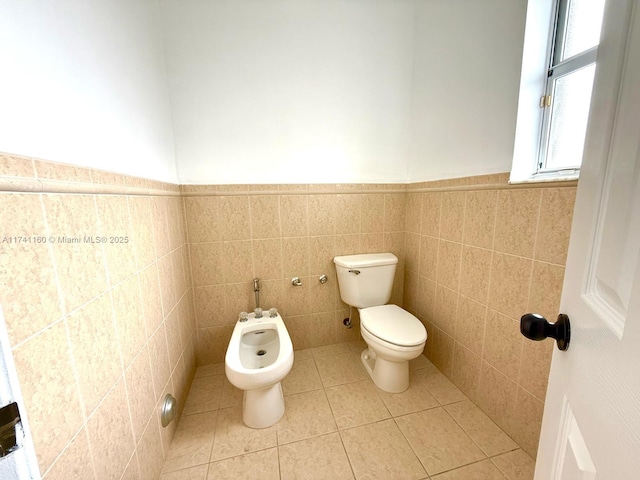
99, 328
478, 255
99, 332
276, 232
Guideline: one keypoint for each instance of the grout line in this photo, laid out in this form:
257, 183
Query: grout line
488, 298
413, 450
347, 454
175, 286
341, 432
66, 448
522, 341
474, 463
61, 297
469, 435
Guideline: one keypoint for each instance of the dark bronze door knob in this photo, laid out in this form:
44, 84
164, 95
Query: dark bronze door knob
536, 327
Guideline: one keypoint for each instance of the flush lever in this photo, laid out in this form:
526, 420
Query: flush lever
357, 272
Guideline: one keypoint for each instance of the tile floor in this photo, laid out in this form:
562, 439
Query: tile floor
338, 425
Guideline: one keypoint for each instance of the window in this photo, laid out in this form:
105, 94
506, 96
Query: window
554, 100
569, 82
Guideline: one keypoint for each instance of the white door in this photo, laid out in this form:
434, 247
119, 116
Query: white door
19, 463
591, 423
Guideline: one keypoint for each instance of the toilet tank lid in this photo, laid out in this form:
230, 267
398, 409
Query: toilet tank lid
366, 260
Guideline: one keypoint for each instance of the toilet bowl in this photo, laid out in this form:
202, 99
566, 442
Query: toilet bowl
258, 358
393, 336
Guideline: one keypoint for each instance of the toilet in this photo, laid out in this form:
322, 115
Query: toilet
258, 358
392, 334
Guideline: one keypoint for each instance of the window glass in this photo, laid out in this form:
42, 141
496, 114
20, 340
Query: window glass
584, 21
571, 100
550, 133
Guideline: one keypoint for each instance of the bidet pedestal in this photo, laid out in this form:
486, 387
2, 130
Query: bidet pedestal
263, 407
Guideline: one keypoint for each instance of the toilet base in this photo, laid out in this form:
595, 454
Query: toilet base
392, 377
263, 407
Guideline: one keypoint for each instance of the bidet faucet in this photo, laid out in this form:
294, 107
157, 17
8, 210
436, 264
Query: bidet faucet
256, 290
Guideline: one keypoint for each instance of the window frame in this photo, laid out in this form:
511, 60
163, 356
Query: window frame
556, 69
538, 54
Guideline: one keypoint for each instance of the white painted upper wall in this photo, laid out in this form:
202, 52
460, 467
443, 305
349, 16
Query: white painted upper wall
468, 56
308, 91
263, 91
84, 83
290, 91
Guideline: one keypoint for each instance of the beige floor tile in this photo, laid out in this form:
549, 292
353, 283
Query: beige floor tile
440, 387
326, 390
379, 450
438, 441
417, 397
305, 415
358, 346
420, 362
205, 394
356, 404
262, 465
303, 377
318, 458
484, 470
334, 349
193, 473
192, 442
340, 369
231, 396
489, 437
234, 438
305, 353
516, 465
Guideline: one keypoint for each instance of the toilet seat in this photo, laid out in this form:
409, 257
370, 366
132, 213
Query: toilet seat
393, 325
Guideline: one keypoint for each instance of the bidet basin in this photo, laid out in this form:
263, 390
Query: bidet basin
260, 348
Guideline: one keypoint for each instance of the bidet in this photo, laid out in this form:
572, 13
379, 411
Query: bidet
259, 356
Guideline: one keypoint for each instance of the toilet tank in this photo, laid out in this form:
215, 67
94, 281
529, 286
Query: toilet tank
366, 280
